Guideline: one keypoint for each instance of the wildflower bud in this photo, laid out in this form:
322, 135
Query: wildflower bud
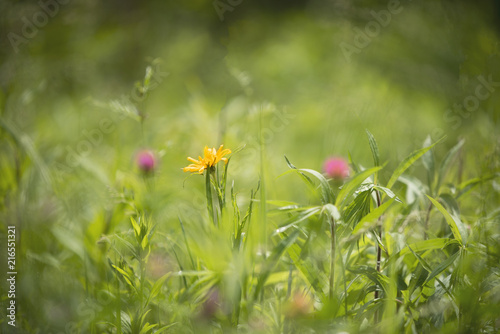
146, 161
299, 305
336, 168
211, 305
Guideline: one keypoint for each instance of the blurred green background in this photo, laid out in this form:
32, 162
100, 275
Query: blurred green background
224, 73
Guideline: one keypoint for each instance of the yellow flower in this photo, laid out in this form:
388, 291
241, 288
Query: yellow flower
211, 157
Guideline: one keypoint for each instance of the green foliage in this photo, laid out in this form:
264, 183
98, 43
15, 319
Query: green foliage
409, 242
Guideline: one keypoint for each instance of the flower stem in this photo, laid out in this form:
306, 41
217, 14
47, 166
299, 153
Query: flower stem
210, 206
332, 257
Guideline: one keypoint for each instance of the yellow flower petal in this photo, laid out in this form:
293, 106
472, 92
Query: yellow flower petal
211, 157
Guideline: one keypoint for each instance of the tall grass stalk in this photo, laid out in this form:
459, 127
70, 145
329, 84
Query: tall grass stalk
332, 257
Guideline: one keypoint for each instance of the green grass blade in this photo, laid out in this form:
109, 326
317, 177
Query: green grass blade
442, 266
186, 242
316, 278
296, 220
272, 261
450, 156
429, 163
407, 162
425, 245
456, 226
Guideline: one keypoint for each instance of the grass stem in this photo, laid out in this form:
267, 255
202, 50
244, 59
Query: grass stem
332, 257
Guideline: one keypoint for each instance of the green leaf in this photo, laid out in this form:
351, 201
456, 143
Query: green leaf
468, 185
359, 207
450, 203
436, 271
164, 328
125, 275
450, 156
246, 219
313, 276
147, 77
69, 240
371, 218
418, 278
456, 226
144, 242
354, 166
442, 266
374, 148
327, 195
189, 273
349, 188
378, 278
428, 157
407, 162
272, 260
155, 290
295, 220
147, 327
186, 242
388, 192
304, 176
375, 154
332, 211
137, 229
141, 322
128, 244
326, 190
26, 143
425, 245
428, 162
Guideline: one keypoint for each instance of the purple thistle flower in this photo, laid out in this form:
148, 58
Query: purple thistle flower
146, 161
336, 168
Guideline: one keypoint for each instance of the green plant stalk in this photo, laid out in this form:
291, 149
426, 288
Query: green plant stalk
286, 324
119, 308
426, 224
143, 272
219, 183
344, 279
332, 257
219, 190
263, 210
235, 317
210, 206
379, 252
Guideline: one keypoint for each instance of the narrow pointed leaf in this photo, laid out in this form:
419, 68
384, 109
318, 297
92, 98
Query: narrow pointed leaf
351, 186
456, 226
374, 148
407, 162
425, 245
371, 219
442, 266
137, 229
450, 156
